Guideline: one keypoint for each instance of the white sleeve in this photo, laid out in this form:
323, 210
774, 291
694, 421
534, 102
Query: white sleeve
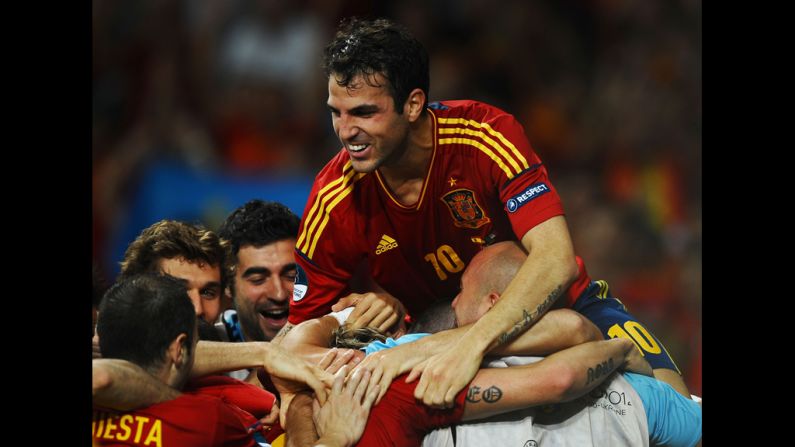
504, 362
342, 315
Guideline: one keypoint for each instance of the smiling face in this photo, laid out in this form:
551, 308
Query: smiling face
203, 282
263, 283
366, 122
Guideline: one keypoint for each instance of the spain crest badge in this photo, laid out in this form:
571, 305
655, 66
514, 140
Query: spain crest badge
465, 209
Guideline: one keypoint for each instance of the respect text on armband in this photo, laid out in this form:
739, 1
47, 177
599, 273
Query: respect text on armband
521, 199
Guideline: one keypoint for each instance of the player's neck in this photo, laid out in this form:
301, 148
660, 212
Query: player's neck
165, 375
405, 175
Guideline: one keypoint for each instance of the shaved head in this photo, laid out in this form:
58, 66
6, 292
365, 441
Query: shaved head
496, 265
489, 272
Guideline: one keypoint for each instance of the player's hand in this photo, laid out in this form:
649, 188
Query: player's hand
377, 310
385, 365
272, 417
278, 362
444, 375
336, 358
342, 419
637, 364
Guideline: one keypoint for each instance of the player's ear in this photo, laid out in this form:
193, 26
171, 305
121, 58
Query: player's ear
414, 104
178, 349
492, 299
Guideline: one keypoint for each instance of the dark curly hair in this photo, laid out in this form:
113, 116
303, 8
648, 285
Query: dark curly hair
141, 315
369, 47
257, 223
168, 239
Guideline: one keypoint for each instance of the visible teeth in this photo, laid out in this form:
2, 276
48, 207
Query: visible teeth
275, 314
357, 147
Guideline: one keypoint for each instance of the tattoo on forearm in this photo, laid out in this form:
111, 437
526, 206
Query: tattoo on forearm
472, 394
518, 328
283, 331
490, 395
528, 318
602, 369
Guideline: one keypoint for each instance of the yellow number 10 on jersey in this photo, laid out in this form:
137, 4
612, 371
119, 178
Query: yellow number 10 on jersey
449, 260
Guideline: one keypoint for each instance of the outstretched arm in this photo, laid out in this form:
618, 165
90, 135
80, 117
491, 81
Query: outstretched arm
561, 377
310, 339
122, 385
558, 329
546, 274
214, 357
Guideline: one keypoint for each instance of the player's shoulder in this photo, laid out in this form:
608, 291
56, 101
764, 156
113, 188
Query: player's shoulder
333, 187
466, 109
188, 402
337, 167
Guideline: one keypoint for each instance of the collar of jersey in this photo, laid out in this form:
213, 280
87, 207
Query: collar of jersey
425, 182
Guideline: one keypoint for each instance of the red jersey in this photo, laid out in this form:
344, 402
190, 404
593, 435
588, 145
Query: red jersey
484, 182
249, 398
399, 420
197, 418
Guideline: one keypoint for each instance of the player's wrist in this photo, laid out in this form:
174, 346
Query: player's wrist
265, 352
333, 438
475, 340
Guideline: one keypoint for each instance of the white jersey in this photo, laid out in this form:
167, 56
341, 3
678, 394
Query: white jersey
610, 415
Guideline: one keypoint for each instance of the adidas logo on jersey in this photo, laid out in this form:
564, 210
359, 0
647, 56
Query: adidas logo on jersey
387, 243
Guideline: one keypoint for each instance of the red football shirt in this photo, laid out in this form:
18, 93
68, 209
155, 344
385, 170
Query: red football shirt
399, 420
249, 398
484, 181
197, 418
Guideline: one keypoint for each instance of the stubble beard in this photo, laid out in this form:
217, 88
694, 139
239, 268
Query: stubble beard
249, 323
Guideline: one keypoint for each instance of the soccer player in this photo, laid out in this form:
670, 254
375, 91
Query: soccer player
188, 252
261, 237
149, 321
627, 410
399, 420
414, 194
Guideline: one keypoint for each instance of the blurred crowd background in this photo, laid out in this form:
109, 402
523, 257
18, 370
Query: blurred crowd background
201, 105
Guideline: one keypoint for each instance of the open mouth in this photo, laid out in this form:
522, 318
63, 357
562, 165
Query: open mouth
277, 314
356, 148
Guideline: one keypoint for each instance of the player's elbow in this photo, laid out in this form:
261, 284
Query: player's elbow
101, 377
580, 328
569, 270
562, 385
